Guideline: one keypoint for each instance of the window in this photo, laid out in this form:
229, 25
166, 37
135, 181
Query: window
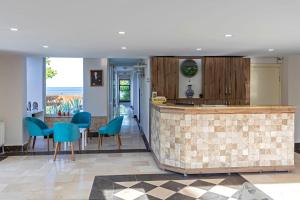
124, 88
64, 85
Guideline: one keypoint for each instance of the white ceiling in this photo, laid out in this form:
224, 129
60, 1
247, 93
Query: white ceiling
88, 28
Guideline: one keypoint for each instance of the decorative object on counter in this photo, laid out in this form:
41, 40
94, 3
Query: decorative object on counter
189, 92
159, 100
201, 95
96, 77
154, 94
29, 106
189, 68
35, 105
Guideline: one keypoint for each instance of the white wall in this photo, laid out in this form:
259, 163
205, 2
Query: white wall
13, 97
291, 85
35, 80
135, 99
195, 81
145, 97
95, 98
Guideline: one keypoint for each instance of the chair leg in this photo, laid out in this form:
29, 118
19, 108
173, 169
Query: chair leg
48, 143
59, 146
119, 138
79, 144
99, 140
89, 134
53, 140
72, 152
29, 143
56, 150
33, 142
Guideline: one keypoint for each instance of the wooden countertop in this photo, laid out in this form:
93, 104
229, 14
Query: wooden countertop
223, 109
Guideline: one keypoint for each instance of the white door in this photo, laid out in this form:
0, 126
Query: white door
265, 86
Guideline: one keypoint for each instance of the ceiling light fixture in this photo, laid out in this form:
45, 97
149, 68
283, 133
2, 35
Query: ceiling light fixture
14, 29
199, 49
124, 48
228, 35
121, 32
271, 50
45, 46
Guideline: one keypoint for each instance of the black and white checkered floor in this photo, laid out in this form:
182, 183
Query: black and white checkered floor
171, 187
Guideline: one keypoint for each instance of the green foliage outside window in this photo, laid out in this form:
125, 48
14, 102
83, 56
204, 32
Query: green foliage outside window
124, 90
50, 72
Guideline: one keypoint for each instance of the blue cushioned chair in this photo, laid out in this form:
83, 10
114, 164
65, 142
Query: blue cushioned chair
82, 120
65, 132
37, 127
113, 128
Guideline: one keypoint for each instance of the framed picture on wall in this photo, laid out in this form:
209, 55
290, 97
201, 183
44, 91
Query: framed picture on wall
96, 77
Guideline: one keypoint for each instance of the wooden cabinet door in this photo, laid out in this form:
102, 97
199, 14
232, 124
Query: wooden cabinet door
232, 65
165, 76
154, 74
214, 78
243, 82
171, 65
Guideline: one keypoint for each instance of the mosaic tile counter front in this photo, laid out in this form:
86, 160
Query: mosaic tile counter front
204, 140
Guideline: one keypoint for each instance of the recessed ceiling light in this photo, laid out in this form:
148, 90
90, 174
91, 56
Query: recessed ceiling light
124, 48
14, 29
199, 49
45, 46
271, 50
121, 32
228, 35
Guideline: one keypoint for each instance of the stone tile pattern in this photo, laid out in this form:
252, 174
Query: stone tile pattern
167, 186
192, 141
97, 121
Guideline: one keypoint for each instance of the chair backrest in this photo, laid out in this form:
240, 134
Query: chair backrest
114, 126
39, 122
32, 128
82, 118
66, 132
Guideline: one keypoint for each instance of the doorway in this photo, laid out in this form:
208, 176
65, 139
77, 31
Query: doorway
265, 84
124, 97
124, 90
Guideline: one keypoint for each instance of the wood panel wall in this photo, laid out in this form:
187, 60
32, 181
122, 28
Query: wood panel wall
226, 80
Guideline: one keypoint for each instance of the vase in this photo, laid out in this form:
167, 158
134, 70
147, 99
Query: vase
189, 92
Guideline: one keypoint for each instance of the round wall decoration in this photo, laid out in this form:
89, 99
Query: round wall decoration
189, 68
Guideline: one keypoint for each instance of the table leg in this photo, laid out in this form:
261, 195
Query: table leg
85, 134
82, 140
65, 146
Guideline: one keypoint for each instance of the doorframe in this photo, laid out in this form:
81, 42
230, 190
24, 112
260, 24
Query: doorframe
268, 66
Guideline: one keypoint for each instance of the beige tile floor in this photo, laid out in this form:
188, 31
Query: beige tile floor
279, 186
38, 177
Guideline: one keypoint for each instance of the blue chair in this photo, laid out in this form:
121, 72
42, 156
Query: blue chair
65, 132
82, 120
113, 128
37, 127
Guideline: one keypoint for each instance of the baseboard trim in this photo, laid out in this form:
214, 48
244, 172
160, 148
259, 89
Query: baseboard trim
39, 153
14, 148
287, 168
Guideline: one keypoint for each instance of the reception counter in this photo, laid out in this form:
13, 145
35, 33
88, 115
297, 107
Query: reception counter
223, 139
